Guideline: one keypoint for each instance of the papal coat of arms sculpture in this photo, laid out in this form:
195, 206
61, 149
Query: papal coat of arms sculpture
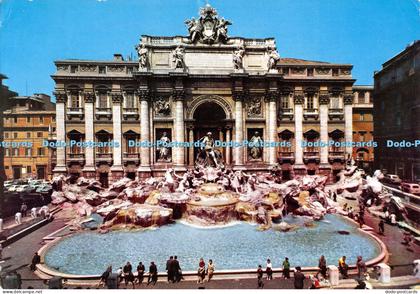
208, 28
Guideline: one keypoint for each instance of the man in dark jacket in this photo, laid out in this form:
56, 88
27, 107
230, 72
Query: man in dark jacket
299, 278
169, 269
176, 270
153, 274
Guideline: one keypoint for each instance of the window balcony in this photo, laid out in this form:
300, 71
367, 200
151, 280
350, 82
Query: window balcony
336, 155
131, 157
76, 158
103, 113
336, 114
75, 112
130, 113
311, 155
286, 156
286, 113
103, 157
310, 113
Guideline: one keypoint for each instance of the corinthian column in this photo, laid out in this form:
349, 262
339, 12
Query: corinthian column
61, 97
238, 152
348, 123
299, 167
89, 168
324, 101
117, 168
272, 131
179, 130
144, 168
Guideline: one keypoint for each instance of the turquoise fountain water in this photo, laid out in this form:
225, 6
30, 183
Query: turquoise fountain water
240, 246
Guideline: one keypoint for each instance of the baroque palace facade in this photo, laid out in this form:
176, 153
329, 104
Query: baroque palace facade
184, 87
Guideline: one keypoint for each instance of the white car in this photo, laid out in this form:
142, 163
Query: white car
22, 188
13, 188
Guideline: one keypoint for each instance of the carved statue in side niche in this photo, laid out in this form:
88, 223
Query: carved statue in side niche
256, 146
163, 149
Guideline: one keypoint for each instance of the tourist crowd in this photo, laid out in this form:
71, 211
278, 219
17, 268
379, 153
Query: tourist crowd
205, 273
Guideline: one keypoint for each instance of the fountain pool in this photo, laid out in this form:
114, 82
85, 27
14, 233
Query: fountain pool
239, 246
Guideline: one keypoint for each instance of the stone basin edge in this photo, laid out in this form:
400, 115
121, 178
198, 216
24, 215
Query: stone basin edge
43, 269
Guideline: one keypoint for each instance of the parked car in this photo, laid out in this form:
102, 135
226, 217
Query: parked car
412, 188
393, 179
44, 188
25, 189
13, 188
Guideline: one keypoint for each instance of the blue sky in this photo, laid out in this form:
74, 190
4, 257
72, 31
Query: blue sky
34, 33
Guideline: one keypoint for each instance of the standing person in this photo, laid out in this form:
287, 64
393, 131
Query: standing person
361, 219
153, 274
322, 264
127, 269
35, 260
104, 276
381, 226
120, 275
201, 272
176, 270
210, 270
169, 269
343, 267
140, 272
286, 268
260, 277
269, 270
1, 251
361, 268
299, 278
24, 209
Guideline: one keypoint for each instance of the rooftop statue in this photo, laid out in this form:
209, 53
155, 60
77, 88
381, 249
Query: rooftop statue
273, 58
142, 52
208, 28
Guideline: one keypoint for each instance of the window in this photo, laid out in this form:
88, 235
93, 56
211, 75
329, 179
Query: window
129, 100
28, 152
6, 135
285, 102
361, 98
28, 119
41, 151
7, 152
335, 72
41, 119
362, 116
73, 68
361, 137
310, 101
102, 69
39, 134
28, 169
74, 100
28, 135
103, 100
15, 119
15, 135
15, 151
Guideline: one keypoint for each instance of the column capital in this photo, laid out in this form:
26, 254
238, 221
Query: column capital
178, 94
348, 99
144, 94
238, 95
117, 97
324, 99
60, 96
299, 98
272, 96
89, 97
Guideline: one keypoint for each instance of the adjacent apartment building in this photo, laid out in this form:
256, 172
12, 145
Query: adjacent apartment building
363, 126
397, 114
28, 122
